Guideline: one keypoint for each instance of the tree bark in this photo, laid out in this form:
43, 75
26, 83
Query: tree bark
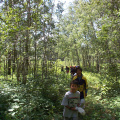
9, 63
26, 58
78, 59
97, 62
14, 57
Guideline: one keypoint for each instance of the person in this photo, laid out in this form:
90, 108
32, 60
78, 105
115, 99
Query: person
71, 101
73, 71
62, 69
67, 69
82, 85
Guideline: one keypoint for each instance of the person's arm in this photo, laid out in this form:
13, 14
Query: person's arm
86, 86
74, 77
68, 107
71, 108
86, 92
65, 100
78, 105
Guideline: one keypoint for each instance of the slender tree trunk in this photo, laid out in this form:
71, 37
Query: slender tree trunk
86, 58
26, 64
35, 45
93, 60
42, 63
18, 71
44, 59
89, 61
97, 62
4, 69
14, 57
83, 58
78, 59
35, 62
9, 63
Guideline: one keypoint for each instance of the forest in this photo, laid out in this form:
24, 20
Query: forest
37, 39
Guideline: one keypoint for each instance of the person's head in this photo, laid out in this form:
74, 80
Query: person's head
79, 70
73, 86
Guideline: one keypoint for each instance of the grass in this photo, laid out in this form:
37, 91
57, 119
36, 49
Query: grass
97, 106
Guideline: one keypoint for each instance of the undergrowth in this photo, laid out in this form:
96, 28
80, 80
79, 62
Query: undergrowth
41, 100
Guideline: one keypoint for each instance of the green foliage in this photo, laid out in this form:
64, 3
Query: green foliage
102, 101
34, 43
41, 100
37, 99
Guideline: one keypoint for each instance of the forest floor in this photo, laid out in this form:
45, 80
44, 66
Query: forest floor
101, 103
